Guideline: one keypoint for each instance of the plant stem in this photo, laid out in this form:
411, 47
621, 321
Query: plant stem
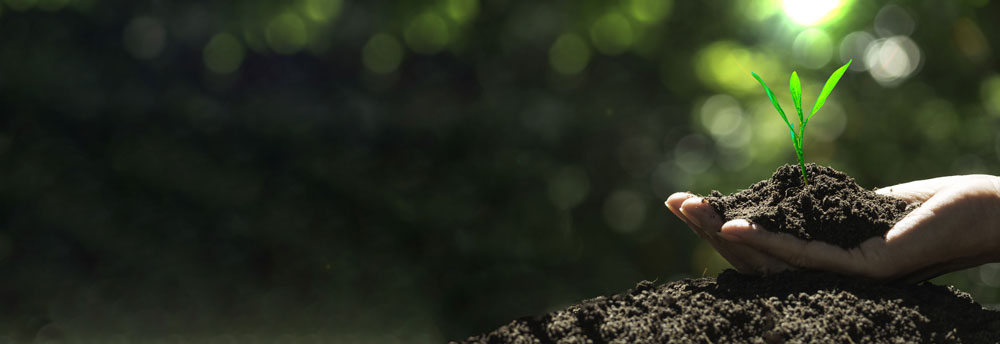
803, 167
801, 155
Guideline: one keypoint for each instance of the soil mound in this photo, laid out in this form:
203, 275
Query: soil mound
799, 306
832, 208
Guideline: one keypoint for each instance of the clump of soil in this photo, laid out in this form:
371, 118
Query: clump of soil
832, 208
799, 306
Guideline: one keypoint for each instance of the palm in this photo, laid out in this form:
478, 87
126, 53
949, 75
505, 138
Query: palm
954, 228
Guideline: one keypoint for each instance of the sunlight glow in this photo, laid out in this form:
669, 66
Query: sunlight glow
811, 12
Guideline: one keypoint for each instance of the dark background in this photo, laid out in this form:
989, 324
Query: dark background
418, 171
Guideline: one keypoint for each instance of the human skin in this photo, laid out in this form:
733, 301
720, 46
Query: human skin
956, 226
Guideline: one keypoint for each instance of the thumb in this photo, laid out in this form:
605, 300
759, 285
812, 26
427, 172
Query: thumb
920, 190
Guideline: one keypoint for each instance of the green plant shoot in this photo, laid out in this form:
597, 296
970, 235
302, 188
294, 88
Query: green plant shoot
795, 87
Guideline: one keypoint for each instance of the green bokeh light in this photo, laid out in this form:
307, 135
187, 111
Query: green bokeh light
322, 10
569, 54
427, 34
287, 34
812, 48
769, 142
650, 11
223, 54
938, 120
814, 12
254, 39
612, 33
382, 54
462, 10
990, 91
726, 65
757, 10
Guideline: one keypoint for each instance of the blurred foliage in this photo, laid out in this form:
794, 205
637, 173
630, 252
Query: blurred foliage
416, 171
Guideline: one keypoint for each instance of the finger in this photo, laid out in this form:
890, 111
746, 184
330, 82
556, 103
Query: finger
917, 236
674, 203
703, 220
749, 260
698, 211
916, 240
797, 252
920, 190
745, 258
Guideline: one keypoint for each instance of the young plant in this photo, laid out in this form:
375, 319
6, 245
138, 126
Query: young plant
796, 89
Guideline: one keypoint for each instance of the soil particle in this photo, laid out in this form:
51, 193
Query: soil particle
794, 306
832, 208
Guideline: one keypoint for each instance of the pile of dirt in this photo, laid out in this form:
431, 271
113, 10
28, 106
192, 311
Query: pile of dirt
800, 306
832, 208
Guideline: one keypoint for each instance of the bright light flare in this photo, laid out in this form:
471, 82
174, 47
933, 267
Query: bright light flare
811, 12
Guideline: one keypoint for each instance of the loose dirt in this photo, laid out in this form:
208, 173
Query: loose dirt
792, 306
800, 306
832, 208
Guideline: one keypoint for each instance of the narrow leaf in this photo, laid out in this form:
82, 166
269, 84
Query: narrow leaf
774, 101
796, 88
827, 89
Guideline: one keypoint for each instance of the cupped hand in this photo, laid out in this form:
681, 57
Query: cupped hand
706, 223
957, 226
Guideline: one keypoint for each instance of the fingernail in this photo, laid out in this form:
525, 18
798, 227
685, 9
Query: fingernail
736, 228
742, 223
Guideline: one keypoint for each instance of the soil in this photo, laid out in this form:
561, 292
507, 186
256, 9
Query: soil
792, 306
832, 208
799, 306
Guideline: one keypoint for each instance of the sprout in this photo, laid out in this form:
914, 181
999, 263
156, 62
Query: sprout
796, 89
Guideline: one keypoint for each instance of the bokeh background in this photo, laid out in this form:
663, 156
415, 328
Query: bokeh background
419, 171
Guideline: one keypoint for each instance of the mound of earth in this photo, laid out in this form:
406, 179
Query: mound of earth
795, 306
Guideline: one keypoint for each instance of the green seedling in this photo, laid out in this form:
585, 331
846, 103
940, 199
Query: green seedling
796, 89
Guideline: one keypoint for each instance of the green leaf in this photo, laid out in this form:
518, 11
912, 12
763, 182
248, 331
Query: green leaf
795, 87
774, 101
827, 89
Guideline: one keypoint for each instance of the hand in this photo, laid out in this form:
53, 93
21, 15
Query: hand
956, 227
706, 223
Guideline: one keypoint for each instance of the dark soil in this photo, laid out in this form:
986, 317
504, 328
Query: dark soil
832, 208
800, 306
796, 306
